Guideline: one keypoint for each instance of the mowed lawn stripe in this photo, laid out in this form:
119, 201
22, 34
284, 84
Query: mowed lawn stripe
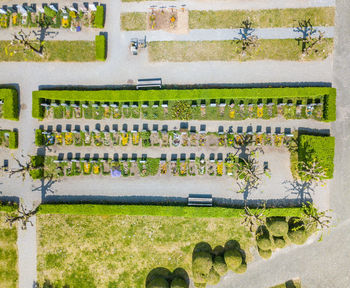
269, 18
229, 50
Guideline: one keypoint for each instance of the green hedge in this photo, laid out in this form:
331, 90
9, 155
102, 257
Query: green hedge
319, 148
329, 112
8, 207
100, 47
39, 138
186, 94
10, 106
156, 210
99, 17
13, 140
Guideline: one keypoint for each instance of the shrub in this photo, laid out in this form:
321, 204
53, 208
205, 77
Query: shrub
263, 238
266, 254
100, 42
202, 262
178, 282
213, 277
37, 173
49, 12
241, 269
277, 226
10, 106
279, 242
297, 233
233, 258
158, 282
39, 138
200, 285
13, 140
37, 161
220, 265
329, 110
317, 148
219, 251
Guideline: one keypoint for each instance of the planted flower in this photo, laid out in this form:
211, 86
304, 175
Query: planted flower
96, 169
260, 111
87, 168
68, 138
219, 168
59, 140
125, 139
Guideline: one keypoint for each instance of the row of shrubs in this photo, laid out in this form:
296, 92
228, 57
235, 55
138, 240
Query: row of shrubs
162, 278
325, 94
317, 148
279, 232
157, 210
10, 106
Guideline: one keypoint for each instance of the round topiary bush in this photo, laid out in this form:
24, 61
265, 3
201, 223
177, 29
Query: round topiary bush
219, 251
277, 226
158, 282
263, 238
200, 285
279, 242
242, 268
178, 282
213, 277
297, 233
266, 254
199, 277
233, 258
202, 262
220, 265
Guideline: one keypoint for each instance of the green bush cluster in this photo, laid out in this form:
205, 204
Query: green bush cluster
162, 278
10, 106
155, 210
277, 226
37, 170
209, 265
329, 112
317, 148
99, 17
100, 41
276, 95
297, 232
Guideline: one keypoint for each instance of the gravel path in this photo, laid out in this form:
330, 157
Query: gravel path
227, 5
224, 34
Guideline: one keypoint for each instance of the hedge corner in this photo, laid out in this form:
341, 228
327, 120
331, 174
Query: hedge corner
100, 47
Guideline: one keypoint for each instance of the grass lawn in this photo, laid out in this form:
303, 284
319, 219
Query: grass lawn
320, 16
289, 284
66, 51
188, 51
119, 251
8, 254
133, 21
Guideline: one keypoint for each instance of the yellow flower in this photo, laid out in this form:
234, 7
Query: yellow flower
260, 112
232, 114
96, 169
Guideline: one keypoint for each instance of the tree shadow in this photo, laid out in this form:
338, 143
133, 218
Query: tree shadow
301, 189
46, 187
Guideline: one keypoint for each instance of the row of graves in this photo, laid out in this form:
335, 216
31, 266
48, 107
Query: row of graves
164, 138
73, 17
214, 165
223, 109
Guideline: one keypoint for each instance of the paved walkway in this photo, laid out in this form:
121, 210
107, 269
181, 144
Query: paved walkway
225, 34
226, 5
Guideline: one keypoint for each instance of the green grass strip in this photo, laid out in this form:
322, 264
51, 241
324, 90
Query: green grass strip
268, 18
100, 47
65, 51
10, 106
134, 21
155, 210
8, 207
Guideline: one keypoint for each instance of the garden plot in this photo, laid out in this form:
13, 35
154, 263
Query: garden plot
170, 20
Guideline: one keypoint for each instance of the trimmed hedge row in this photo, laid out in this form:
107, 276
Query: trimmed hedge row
10, 106
100, 41
187, 94
100, 17
156, 210
13, 140
8, 207
319, 148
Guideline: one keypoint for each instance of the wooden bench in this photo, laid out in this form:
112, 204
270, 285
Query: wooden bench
200, 200
145, 83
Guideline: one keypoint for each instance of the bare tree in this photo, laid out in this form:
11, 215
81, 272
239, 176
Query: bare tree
23, 170
310, 39
23, 216
23, 43
254, 218
248, 42
312, 172
313, 217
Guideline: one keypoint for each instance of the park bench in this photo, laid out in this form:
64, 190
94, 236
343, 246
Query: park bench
200, 200
145, 83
